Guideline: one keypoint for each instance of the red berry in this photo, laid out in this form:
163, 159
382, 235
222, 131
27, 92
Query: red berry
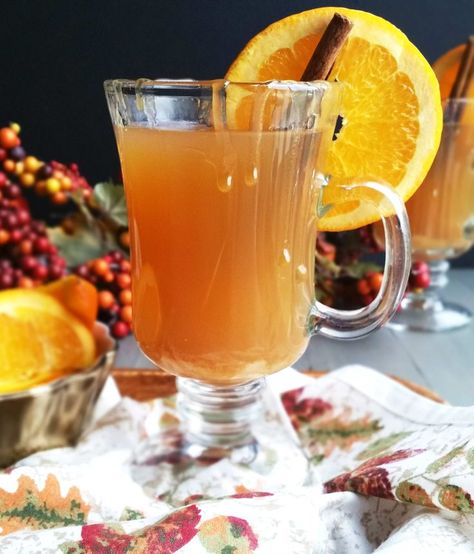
41, 245
12, 191
44, 172
16, 235
420, 267
8, 138
11, 221
106, 299
120, 329
125, 297
125, 266
25, 283
123, 280
124, 239
6, 280
363, 287
4, 236
126, 314
23, 216
375, 281
26, 247
367, 299
56, 271
421, 280
3, 179
3, 154
40, 272
29, 263
82, 270
100, 266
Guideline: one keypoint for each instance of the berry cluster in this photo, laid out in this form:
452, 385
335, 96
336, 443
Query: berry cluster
111, 275
369, 286
27, 258
53, 180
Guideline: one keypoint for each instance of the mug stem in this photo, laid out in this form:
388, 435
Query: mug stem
217, 421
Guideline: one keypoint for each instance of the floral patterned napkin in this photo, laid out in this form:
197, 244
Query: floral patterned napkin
351, 462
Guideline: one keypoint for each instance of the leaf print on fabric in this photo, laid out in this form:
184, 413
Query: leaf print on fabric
382, 444
455, 498
342, 433
435, 466
373, 481
100, 538
164, 537
322, 429
129, 514
303, 410
470, 458
227, 535
173, 532
413, 494
31, 508
369, 478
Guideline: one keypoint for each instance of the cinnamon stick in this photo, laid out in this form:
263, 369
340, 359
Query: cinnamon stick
465, 72
325, 53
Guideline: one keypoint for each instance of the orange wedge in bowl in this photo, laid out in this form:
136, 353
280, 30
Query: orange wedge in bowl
40, 340
390, 105
76, 295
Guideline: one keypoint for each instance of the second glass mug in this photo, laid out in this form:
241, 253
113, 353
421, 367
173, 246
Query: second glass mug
224, 190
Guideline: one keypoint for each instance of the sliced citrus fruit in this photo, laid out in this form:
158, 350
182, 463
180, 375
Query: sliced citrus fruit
40, 339
77, 295
390, 104
446, 68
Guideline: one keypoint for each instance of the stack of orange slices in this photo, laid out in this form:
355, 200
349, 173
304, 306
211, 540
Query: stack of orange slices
390, 107
46, 332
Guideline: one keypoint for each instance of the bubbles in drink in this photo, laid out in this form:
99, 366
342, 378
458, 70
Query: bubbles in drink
251, 176
224, 182
301, 273
285, 257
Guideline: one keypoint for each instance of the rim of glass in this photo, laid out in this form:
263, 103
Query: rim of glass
145, 84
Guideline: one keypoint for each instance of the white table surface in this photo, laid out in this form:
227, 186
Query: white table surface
443, 362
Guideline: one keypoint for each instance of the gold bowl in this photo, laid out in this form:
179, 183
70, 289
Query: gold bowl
54, 414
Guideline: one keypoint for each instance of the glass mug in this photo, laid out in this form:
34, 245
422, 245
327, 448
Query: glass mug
441, 215
224, 190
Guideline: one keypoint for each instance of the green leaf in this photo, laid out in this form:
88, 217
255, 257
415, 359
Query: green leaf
359, 269
86, 243
110, 198
456, 498
129, 514
410, 492
381, 445
444, 460
345, 433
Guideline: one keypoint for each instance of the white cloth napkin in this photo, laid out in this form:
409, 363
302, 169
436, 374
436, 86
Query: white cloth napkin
351, 462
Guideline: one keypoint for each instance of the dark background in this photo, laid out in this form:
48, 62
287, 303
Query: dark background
54, 56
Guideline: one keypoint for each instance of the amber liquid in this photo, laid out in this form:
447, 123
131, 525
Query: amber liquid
223, 234
441, 212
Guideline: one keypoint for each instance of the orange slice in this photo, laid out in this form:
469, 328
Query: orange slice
40, 339
446, 68
77, 295
390, 105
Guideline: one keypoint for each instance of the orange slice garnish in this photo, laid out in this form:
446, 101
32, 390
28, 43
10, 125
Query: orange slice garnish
390, 105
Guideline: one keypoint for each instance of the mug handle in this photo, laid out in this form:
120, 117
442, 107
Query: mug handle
353, 324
